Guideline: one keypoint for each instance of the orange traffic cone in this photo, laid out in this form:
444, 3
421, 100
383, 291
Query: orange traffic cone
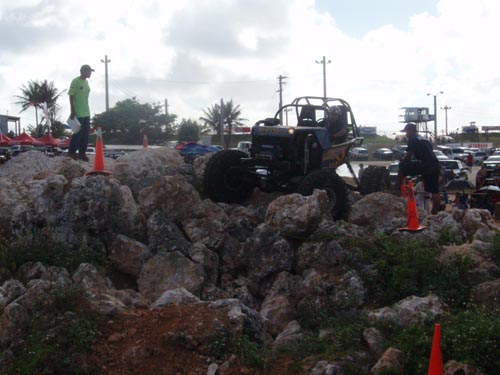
436, 361
145, 141
413, 225
99, 157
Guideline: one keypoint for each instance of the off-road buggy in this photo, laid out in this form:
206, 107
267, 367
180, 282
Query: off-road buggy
298, 158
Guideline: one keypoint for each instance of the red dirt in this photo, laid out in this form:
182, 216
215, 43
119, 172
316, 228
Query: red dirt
172, 341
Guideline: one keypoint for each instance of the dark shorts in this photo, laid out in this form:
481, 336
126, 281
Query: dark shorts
429, 172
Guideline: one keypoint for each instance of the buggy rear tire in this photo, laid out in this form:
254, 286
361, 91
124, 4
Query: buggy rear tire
375, 178
224, 181
333, 185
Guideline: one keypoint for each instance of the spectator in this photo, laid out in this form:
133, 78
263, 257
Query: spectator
481, 177
361, 171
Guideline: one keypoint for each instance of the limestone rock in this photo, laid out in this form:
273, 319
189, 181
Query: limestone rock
9, 291
179, 296
487, 294
128, 255
141, 168
457, 368
410, 310
381, 212
165, 236
327, 368
375, 340
322, 256
392, 359
290, 335
170, 271
296, 215
200, 254
277, 311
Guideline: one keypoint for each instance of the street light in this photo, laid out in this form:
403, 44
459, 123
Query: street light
435, 115
324, 62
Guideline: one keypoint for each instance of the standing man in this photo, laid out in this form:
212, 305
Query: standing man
79, 91
420, 160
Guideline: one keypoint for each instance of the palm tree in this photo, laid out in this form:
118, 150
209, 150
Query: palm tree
35, 94
230, 116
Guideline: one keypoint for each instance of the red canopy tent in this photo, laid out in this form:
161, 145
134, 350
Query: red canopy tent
22, 139
4, 140
47, 140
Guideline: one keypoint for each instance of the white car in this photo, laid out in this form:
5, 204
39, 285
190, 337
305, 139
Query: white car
244, 146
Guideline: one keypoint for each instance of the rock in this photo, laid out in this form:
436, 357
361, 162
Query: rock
322, 256
174, 196
267, 253
103, 304
350, 292
208, 225
141, 168
165, 236
128, 255
296, 215
290, 335
199, 165
10, 290
130, 298
481, 268
457, 368
476, 219
277, 311
487, 294
392, 359
31, 271
381, 212
88, 278
179, 296
170, 271
326, 368
200, 254
375, 340
213, 367
410, 310
13, 321
243, 319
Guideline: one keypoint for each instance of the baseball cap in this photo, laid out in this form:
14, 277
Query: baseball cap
86, 67
410, 126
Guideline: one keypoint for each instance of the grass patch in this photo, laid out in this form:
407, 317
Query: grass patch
56, 339
472, 337
250, 353
15, 254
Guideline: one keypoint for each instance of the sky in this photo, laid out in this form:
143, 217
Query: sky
384, 55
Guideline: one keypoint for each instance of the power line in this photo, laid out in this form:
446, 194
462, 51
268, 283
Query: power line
281, 82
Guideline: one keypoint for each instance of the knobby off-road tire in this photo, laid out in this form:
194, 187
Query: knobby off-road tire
334, 186
375, 178
223, 182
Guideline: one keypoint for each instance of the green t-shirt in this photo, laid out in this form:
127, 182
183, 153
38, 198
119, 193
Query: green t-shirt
80, 90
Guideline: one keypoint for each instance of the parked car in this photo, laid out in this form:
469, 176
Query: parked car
359, 153
440, 155
399, 151
244, 146
453, 169
114, 154
458, 153
383, 154
491, 162
445, 150
479, 156
393, 169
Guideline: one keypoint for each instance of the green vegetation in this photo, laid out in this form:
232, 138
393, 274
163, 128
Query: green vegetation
249, 352
56, 340
15, 254
472, 337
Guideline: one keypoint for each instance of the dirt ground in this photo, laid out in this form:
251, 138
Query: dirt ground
177, 340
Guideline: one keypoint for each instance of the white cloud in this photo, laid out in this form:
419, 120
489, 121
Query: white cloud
195, 52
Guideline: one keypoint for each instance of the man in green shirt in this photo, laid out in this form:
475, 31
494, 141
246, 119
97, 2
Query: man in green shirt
79, 91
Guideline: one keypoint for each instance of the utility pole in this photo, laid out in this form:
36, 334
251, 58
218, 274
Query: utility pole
446, 108
106, 61
221, 123
324, 62
166, 106
435, 116
280, 90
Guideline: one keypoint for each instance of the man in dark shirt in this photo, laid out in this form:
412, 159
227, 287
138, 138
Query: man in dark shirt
420, 160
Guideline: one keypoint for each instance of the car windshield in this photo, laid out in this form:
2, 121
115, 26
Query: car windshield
495, 158
452, 164
393, 168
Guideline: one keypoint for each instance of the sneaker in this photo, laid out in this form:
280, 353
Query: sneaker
73, 156
83, 157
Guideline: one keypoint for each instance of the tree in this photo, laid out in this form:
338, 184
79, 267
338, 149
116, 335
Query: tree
35, 94
189, 131
230, 116
129, 120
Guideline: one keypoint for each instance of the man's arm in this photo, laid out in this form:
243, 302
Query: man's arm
72, 105
408, 156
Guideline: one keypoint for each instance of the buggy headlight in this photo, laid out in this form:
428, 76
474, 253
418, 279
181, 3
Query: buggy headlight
291, 131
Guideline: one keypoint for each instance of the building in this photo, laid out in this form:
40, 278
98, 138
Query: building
4, 124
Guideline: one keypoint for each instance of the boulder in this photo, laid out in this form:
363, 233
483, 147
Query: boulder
88, 278
170, 271
14, 199
322, 256
174, 196
326, 368
9, 291
165, 236
128, 255
487, 294
296, 215
410, 310
392, 360
200, 254
141, 168
292, 334
350, 292
277, 311
13, 321
179, 296
457, 368
476, 219
380, 212
375, 341
199, 165
243, 319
